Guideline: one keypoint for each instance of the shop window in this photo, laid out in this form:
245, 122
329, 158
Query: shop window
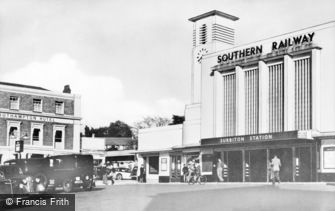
329, 157
37, 103
207, 162
153, 165
59, 107
14, 102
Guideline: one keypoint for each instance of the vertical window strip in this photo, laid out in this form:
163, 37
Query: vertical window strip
229, 109
251, 101
276, 98
303, 94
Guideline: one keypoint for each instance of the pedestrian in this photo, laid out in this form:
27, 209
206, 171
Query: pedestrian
111, 175
214, 173
104, 174
142, 174
276, 168
219, 169
185, 173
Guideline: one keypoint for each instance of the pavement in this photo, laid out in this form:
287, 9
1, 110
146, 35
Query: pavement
130, 195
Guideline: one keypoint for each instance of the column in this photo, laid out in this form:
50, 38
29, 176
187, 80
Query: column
263, 97
289, 94
316, 68
218, 104
240, 101
243, 165
294, 163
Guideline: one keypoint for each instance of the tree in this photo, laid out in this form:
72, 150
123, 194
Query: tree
149, 122
115, 129
176, 120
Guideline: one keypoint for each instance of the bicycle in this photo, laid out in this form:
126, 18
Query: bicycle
201, 179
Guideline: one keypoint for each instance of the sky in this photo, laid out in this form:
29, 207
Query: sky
128, 59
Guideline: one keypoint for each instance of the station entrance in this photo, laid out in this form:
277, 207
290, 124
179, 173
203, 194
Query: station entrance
256, 165
233, 166
252, 165
285, 155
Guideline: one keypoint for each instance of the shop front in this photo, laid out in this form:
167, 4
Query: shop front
247, 158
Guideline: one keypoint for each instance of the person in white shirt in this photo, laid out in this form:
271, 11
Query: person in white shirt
276, 164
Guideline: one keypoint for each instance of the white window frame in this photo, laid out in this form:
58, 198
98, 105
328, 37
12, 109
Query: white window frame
37, 126
17, 105
61, 128
16, 124
41, 105
61, 110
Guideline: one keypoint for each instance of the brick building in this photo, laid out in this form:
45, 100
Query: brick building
48, 122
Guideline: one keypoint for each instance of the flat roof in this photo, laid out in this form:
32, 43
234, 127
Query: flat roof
23, 86
212, 13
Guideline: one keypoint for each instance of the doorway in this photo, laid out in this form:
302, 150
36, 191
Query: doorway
303, 164
286, 170
255, 165
175, 168
233, 167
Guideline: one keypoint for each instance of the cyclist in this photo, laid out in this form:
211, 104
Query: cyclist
196, 171
191, 169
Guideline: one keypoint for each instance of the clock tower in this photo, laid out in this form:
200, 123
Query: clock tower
212, 31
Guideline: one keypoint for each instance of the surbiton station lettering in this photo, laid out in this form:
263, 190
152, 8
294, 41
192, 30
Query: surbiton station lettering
251, 138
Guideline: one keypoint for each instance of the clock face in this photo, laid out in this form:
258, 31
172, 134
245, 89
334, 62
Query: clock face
200, 53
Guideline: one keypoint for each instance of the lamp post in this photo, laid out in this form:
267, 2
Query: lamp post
19, 144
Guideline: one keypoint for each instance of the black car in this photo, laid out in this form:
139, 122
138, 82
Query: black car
67, 171
71, 171
12, 180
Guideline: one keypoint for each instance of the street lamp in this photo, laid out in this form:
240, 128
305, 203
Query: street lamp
19, 144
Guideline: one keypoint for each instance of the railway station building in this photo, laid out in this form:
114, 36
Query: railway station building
250, 102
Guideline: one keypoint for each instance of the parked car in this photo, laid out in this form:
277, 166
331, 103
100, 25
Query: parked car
12, 180
71, 171
66, 171
122, 173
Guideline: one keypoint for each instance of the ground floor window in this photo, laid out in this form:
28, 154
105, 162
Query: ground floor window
329, 157
153, 165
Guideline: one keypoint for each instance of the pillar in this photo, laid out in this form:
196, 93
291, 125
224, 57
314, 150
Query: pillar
263, 97
240, 101
289, 94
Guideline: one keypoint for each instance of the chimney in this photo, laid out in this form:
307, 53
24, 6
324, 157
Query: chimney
67, 89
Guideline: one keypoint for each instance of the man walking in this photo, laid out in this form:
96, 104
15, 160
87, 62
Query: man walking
185, 173
276, 164
219, 168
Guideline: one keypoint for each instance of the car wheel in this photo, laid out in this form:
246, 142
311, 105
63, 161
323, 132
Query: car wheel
42, 179
67, 185
119, 176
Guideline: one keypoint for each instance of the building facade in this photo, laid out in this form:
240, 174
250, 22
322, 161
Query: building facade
251, 102
47, 122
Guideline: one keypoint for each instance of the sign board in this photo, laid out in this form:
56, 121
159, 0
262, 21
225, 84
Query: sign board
251, 138
19, 146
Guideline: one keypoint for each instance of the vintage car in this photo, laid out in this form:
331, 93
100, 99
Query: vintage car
12, 180
71, 171
66, 171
